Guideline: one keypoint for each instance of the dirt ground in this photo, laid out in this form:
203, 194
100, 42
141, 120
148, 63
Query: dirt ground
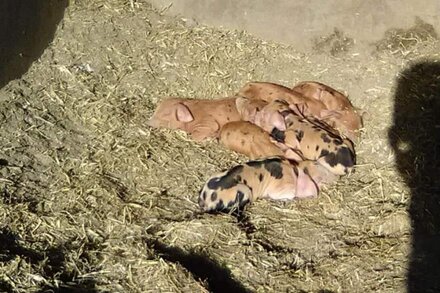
93, 200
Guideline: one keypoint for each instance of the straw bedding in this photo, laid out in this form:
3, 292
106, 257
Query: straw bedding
92, 199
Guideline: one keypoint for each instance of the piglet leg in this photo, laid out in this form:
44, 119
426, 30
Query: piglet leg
205, 130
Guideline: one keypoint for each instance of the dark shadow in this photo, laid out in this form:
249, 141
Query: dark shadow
415, 137
10, 248
26, 29
87, 286
217, 277
5, 286
14, 198
51, 264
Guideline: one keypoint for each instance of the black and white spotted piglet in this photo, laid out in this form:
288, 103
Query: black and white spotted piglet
275, 178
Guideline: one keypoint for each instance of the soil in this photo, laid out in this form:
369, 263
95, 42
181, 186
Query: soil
93, 200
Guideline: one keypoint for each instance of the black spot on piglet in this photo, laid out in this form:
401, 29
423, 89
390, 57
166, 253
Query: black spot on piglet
226, 181
343, 156
239, 197
299, 135
274, 168
219, 206
254, 164
337, 141
325, 138
214, 183
278, 135
324, 153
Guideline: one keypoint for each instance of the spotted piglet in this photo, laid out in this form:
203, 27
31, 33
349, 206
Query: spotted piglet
274, 178
309, 138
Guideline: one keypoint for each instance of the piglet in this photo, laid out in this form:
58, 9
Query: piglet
309, 139
201, 118
248, 139
340, 112
273, 178
269, 92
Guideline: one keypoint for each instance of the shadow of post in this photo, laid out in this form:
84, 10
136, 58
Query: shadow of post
26, 29
415, 137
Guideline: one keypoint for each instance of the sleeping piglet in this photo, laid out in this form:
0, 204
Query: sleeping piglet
201, 118
270, 92
251, 140
340, 113
309, 139
273, 178
248, 139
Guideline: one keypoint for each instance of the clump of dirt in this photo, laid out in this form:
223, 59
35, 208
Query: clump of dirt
92, 199
334, 44
404, 40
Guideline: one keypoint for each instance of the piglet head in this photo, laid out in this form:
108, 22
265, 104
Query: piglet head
171, 113
319, 174
248, 108
220, 193
347, 122
270, 118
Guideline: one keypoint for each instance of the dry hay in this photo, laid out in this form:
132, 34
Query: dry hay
94, 199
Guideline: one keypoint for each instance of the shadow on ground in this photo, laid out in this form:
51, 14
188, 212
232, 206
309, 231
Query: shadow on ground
51, 264
415, 137
26, 29
216, 277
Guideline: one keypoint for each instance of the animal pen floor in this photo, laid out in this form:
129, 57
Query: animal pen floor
93, 200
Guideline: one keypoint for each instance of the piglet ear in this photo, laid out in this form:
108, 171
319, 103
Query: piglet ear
363, 113
240, 103
305, 187
246, 110
277, 120
298, 109
183, 114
